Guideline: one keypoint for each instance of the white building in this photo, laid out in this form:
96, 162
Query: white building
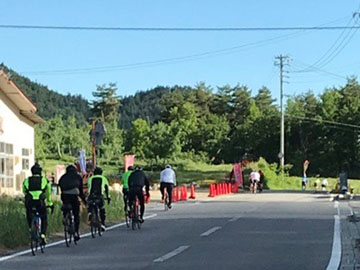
17, 136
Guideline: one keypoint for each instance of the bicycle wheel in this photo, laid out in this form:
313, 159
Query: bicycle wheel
66, 230
127, 220
166, 203
42, 246
138, 215
134, 218
93, 224
33, 240
100, 231
35, 236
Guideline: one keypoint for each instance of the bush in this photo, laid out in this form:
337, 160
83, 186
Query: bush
14, 230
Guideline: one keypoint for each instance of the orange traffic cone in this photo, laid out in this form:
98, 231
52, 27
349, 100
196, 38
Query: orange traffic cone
174, 195
192, 191
183, 193
211, 190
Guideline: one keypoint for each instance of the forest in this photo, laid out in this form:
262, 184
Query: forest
203, 124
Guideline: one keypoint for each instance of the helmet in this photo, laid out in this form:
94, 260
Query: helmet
168, 166
137, 167
36, 169
130, 168
98, 170
70, 168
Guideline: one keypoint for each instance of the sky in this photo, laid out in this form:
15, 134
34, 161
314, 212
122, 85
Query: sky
245, 58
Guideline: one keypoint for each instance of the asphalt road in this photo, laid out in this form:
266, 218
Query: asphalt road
262, 231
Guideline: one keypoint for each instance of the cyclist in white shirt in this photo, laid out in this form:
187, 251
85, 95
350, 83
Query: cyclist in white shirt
255, 179
168, 181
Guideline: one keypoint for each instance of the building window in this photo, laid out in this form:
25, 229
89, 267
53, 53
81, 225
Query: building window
25, 159
6, 148
25, 152
6, 165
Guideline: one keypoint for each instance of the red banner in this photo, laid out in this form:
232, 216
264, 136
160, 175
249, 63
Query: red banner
238, 174
129, 161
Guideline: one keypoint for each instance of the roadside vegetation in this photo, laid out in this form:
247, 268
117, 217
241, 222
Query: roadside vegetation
14, 230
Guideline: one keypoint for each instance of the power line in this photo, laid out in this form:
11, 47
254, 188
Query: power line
180, 59
324, 121
192, 57
176, 29
339, 44
305, 66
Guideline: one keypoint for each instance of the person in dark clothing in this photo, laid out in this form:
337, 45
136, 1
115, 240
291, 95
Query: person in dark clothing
137, 180
71, 187
262, 180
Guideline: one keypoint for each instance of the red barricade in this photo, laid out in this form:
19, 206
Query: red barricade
175, 195
183, 193
192, 191
212, 191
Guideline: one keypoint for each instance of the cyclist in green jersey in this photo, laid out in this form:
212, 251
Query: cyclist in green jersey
37, 191
98, 187
125, 180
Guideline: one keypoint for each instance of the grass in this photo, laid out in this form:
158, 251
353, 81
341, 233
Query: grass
14, 228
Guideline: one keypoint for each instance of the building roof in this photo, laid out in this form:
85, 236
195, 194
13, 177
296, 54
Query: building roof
26, 107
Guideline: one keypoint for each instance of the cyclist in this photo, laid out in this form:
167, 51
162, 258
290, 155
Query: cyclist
71, 188
254, 179
37, 191
168, 181
125, 179
98, 186
137, 180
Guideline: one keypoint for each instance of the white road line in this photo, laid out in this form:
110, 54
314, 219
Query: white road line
212, 230
234, 219
171, 254
5, 258
336, 248
336, 204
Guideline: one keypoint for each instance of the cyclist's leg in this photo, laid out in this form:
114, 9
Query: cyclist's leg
162, 186
64, 199
41, 208
126, 198
169, 188
28, 206
141, 198
102, 211
76, 211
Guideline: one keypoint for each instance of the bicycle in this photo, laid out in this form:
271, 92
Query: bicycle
135, 222
127, 211
95, 223
254, 186
69, 225
35, 233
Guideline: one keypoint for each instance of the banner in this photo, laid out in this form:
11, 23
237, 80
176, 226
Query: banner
238, 174
82, 162
60, 171
129, 161
305, 167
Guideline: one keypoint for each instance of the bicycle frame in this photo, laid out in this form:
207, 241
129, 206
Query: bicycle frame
135, 215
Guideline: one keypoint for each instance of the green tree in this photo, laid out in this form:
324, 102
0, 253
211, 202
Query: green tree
106, 103
138, 137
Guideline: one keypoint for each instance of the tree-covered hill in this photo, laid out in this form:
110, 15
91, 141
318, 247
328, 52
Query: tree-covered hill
49, 102
148, 105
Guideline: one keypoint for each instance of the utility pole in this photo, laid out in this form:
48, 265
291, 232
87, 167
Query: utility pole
282, 61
